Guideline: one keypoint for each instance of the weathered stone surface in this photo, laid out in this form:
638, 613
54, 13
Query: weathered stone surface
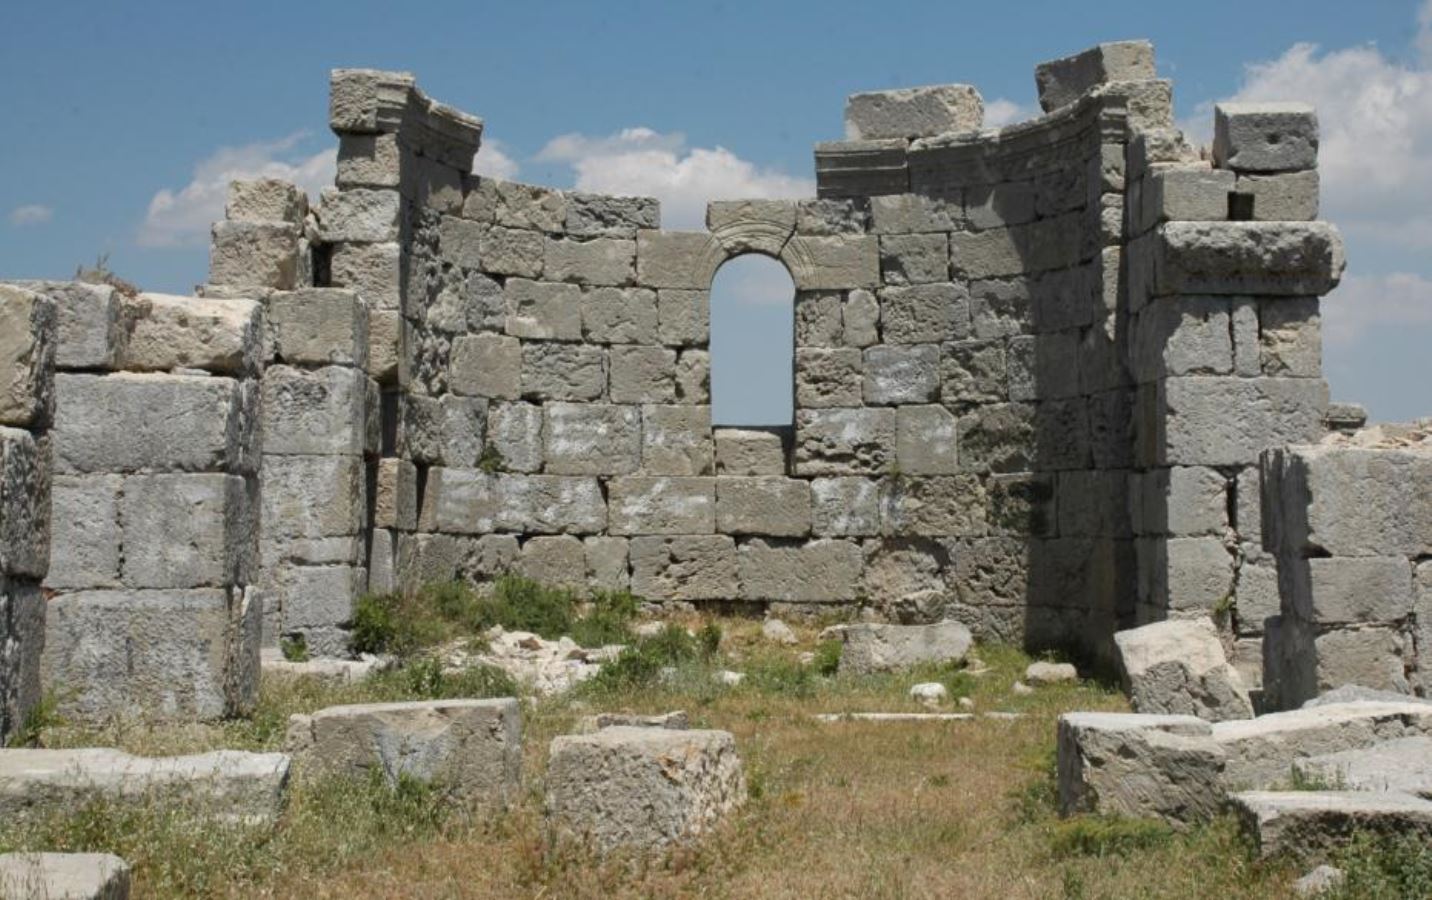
317, 326
1182, 336
469, 501
936, 506
1265, 137
925, 442
914, 258
1197, 428
598, 261
370, 270
1282, 197
606, 563
1261, 751
676, 259
693, 377
684, 316
747, 226
592, 439
775, 506
836, 263
554, 560
317, 411
226, 785
1351, 589
24, 504
514, 431
361, 215
1062, 81
64, 876
1042, 673
1178, 667
486, 365
973, 372
27, 357
870, 648
543, 310
395, 503
1146, 766
599, 215
623, 316
470, 749
924, 313
642, 374
819, 571
511, 251
258, 255
844, 441
676, 440
828, 377
1311, 826
85, 537
130, 422
265, 200
861, 315
908, 373
662, 505
684, 568
87, 323
642, 788
367, 101
186, 531
1183, 193
845, 507
1290, 338
1403, 765
310, 497
745, 451
369, 160
553, 371
165, 654
913, 112
1257, 258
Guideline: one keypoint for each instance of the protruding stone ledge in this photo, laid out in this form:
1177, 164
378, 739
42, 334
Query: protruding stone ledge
1244, 258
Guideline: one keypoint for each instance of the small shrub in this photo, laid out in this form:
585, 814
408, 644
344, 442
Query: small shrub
44, 714
709, 637
425, 678
374, 629
1106, 836
607, 620
780, 675
827, 657
294, 648
1385, 867
521, 604
640, 664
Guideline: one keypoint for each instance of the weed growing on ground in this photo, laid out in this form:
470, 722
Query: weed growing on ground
1385, 867
1106, 836
294, 648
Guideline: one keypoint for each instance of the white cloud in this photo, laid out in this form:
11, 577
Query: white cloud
31, 214
492, 161
1001, 112
183, 217
1363, 301
643, 162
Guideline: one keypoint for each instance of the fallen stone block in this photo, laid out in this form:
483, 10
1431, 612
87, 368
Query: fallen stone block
642, 788
469, 748
913, 112
1178, 667
1159, 766
1265, 137
344, 671
1403, 765
888, 648
1062, 81
1310, 825
1042, 673
63, 876
676, 720
1261, 751
226, 785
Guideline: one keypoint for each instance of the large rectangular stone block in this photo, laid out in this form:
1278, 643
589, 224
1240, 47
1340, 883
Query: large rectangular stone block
87, 322
656, 505
187, 531
1258, 258
844, 441
1062, 81
372, 271
613, 315
593, 215
766, 506
1182, 336
598, 261
914, 258
925, 440
130, 422
514, 433
913, 112
361, 215
683, 317
676, 259
821, 571
828, 377
639, 374
84, 540
749, 451
835, 263
902, 373
925, 313
700, 567
319, 326
1349, 590
543, 310
939, 505
1219, 421
511, 251
256, 255
552, 371
25, 475
162, 654
447, 430
845, 507
1265, 137
307, 497
676, 440
27, 357
319, 411
592, 439
217, 335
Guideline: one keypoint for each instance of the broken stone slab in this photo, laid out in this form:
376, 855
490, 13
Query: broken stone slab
344, 671
1261, 751
676, 720
469, 748
1352, 693
1062, 81
1160, 766
873, 647
1310, 825
913, 112
1179, 667
226, 785
63, 876
642, 788
1403, 766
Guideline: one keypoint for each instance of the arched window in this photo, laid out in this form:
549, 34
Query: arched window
752, 343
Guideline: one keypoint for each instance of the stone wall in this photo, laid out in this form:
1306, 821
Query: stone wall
155, 498
1350, 521
27, 364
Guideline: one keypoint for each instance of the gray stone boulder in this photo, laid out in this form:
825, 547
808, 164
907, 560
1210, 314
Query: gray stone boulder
343, 671
642, 788
1319, 881
1403, 765
1149, 766
1310, 825
63, 876
1260, 752
1179, 667
1042, 673
469, 748
226, 785
871, 647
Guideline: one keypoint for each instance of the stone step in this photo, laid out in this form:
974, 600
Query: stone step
227, 785
1309, 825
1402, 766
64, 876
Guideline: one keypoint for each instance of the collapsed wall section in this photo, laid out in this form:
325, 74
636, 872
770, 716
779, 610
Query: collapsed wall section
1350, 522
27, 360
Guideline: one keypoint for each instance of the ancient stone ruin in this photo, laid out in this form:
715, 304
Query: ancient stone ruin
1036, 369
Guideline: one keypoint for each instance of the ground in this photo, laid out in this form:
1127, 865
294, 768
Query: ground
847, 809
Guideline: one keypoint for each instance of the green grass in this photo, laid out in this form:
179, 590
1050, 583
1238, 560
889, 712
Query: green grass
1385, 867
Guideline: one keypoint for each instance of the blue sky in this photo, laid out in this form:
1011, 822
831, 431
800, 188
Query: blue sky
123, 119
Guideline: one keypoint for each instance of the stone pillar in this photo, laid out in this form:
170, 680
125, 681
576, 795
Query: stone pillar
155, 492
1225, 349
27, 360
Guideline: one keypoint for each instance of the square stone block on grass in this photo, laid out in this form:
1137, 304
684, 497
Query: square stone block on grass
642, 788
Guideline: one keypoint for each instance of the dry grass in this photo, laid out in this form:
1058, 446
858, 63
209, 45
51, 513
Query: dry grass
958, 809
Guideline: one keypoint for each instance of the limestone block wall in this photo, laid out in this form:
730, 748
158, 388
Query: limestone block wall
1225, 271
150, 608
1350, 522
27, 360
